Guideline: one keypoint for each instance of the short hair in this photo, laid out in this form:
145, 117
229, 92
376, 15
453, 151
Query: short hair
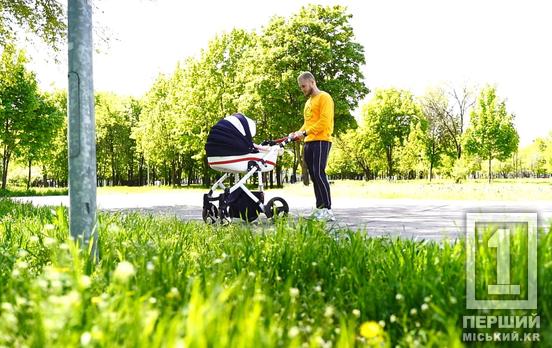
306, 75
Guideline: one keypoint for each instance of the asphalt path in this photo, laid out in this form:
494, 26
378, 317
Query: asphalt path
416, 219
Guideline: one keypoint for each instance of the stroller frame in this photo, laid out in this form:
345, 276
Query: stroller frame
276, 206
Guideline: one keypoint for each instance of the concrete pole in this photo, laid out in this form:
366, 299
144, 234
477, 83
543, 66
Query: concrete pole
82, 126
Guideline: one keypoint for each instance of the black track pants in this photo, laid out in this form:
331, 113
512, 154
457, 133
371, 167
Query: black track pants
316, 157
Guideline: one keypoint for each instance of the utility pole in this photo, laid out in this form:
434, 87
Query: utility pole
82, 127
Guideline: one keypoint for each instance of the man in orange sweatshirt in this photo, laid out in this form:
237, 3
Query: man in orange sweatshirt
317, 131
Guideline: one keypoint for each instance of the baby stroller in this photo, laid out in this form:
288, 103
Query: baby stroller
230, 149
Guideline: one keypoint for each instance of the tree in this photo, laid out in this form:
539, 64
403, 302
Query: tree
40, 130
44, 18
18, 104
491, 134
390, 114
54, 161
319, 39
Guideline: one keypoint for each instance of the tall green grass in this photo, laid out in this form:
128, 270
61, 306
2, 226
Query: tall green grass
161, 282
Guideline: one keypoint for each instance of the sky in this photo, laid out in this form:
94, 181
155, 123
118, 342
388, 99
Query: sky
410, 44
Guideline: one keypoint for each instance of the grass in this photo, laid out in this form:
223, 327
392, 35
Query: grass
161, 282
500, 190
35, 191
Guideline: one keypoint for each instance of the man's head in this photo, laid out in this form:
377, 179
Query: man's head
307, 83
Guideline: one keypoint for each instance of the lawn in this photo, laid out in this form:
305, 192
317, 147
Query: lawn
161, 282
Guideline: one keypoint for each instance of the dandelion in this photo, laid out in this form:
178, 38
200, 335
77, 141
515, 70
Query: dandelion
22, 265
173, 293
427, 299
49, 242
124, 271
393, 318
293, 292
381, 323
413, 311
371, 329
399, 297
329, 311
85, 339
293, 332
356, 313
425, 307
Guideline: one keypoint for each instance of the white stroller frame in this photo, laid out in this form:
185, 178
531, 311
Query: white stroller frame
276, 206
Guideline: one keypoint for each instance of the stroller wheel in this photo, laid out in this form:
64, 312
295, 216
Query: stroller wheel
276, 207
210, 214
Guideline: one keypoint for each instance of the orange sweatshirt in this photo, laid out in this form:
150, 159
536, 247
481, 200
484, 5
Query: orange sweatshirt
319, 117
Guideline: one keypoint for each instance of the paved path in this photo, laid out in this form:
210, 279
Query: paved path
418, 219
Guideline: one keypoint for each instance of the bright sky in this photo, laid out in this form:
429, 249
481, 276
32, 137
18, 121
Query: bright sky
408, 44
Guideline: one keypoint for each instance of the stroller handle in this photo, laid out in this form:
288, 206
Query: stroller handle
282, 141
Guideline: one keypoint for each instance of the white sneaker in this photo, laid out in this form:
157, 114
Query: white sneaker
325, 214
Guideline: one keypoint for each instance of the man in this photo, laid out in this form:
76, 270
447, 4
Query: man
317, 131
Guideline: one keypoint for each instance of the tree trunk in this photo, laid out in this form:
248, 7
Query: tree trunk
5, 163
430, 170
389, 155
29, 177
490, 159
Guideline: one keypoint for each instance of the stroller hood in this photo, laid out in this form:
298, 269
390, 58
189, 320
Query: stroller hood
225, 139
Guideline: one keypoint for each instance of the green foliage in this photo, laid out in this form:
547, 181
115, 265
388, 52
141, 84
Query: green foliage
19, 105
389, 116
491, 134
163, 282
44, 18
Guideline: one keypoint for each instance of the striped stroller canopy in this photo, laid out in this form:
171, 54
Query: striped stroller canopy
227, 138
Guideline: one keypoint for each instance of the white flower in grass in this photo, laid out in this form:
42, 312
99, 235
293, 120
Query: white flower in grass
152, 300
356, 313
16, 273
413, 311
22, 253
293, 332
337, 330
314, 264
424, 307
49, 227
150, 267
86, 338
85, 281
452, 300
381, 323
399, 297
7, 307
22, 265
252, 274
64, 246
329, 311
173, 293
49, 242
317, 288
278, 278
124, 271
293, 292
217, 261
393, 318
33, 239
427, 299
417, 324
